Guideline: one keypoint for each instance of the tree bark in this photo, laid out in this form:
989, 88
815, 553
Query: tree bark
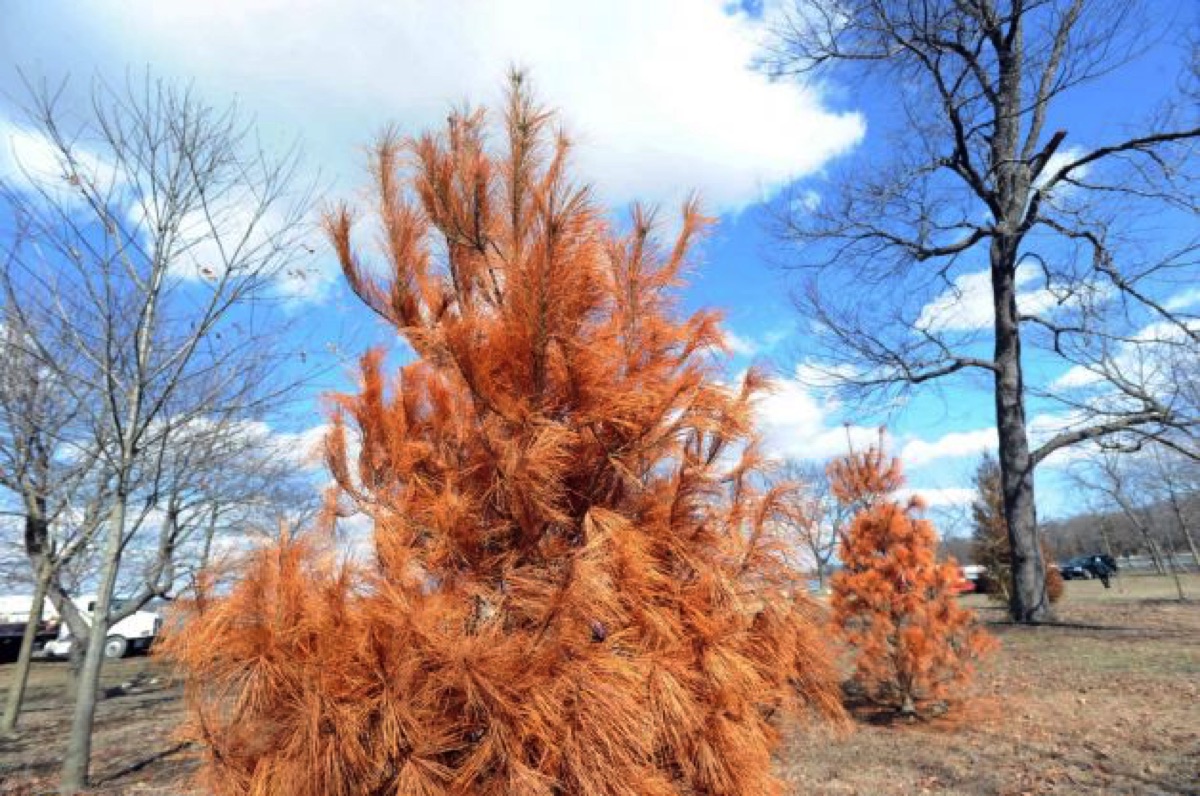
1155, 553
16, 692
1175, 574
1191, 543
1181, 520
77, 760
1027, 600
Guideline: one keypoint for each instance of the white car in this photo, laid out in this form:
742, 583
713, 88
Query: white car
133, 633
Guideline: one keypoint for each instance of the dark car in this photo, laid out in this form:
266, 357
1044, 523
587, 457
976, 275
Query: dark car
1086, 567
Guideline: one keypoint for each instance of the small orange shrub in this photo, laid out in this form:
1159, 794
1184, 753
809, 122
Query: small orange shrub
913, 644
573, 585
1055, 587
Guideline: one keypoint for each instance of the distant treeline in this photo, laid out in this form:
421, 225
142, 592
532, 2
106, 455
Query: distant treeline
1116, 533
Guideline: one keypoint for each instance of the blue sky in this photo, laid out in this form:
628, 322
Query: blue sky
662, 99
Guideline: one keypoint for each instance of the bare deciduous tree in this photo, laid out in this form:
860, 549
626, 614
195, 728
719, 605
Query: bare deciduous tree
159, 238
1070, 238
1126, 483
1178, 482
47, 476
817, 519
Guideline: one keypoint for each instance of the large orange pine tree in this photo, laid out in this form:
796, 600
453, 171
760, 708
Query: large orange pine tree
913, 645
573, 585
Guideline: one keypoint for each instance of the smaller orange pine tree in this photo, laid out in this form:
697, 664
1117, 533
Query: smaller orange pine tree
914, 646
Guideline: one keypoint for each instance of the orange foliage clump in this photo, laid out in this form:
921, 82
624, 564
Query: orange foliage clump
573, 585
894, 604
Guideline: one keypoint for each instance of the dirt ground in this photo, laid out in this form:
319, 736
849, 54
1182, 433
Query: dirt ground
1107, 701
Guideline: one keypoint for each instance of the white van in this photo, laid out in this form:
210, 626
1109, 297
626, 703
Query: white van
135, 632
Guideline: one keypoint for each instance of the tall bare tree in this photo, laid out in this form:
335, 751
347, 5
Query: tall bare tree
49, 478
817, 519
1075, 240
1125, 483
1177, 480
160, 234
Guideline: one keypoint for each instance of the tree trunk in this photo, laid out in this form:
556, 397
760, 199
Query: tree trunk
75, 664
1175, 573
1155, 554
1181, 521
1108, 547
16, 692
79, 747
1191, 543
1027, 600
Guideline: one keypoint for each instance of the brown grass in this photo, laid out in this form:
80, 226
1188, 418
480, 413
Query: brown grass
134, 750
1105, 702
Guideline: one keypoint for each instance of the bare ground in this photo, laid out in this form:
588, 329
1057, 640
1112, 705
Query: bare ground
1106, 701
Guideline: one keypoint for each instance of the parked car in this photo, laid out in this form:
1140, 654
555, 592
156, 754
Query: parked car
1086, 567
135, 632
977, 574
14, 617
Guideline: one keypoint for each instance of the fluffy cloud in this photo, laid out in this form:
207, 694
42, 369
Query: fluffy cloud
751, 346
1184, 299
957, 444
33, 164
796, 424
940, 497
741, 346
306, 448
1057, 161
967, 304
1146, 358
660, 93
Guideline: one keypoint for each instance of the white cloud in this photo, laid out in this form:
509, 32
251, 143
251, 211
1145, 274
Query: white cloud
24, 152
1183, 300
957, 444
1076, 377
819, 376
741, 346
306, 448
796, 424
659, 93
1057, 161
750, 346
1146, 359
967, 304
939, 497
33, 164
29, 160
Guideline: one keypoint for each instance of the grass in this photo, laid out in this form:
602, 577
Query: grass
1104, 701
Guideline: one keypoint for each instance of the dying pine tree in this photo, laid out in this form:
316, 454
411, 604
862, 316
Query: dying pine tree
989, 537
913, 645
573, 585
